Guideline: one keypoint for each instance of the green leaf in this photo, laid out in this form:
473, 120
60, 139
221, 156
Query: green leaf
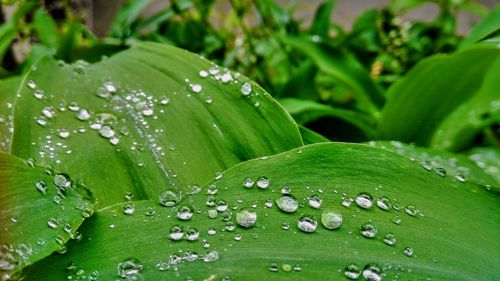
67, 44
37, 216
46, 29
301, 83
321, 21
8, 90
487, 158
460, 127
489, 25
126, 16
456, 166
305, 111
310, 136
153, 124
345, 68
452, 235
427, 94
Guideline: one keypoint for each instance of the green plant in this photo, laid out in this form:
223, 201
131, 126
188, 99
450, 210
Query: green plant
157, 164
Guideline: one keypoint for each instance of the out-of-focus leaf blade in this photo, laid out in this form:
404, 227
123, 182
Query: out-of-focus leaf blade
8, 90
321, 21
420, 101
489, 25
460, 222
46, 29
310, 136
145, 121
37, 217
488, 159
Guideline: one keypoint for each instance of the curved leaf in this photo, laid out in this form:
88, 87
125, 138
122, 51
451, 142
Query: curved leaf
488, 159
452, 236
8, 89
489, 25
419, 102
37, 216
310, 136
145, 121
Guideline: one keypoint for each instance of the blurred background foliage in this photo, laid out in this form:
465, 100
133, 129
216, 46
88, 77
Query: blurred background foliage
332, 79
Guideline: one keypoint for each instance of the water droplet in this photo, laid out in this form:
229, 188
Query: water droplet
41, 121
307, 223
263, 183
184, 213
237, 237
364, 200
39, 94
128, 209
168, 198
48, 112
441, 172
246, 218
396, 220
315, 201
226, 77
83, 114
411, 210
368, 230
273, 267
64, 134
129, 268
460, 178
52, 223
203, 73
297, 267
286, 190
62, 181
147, 111
346, 202
248, 182
176, 233
408, 251
164, 100
41, 186
212, 213
106, 132
331, 220
221, 206
352, 271
212, 190
384, 203
246, 89
372, 272
31, 84
286, 267
196, 88
285, 226
192, 234
389, 239
426, 165
211, 256
287, 203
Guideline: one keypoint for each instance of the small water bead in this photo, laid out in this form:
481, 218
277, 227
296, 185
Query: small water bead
64, 134
83, 115
246, 218
52, 223
196, 88
192, 234
212, 190
352, 271
364, 200
39, 94
128, 209
211, 256
230, 226
315, 201
41, 121
31, 84
48, 112
212, 213
41, 186
262, 183
184, 213
331, 220
106, 132
372, 272
287, 203
221, 206
62, 181
307, 223
460, 178
286, 190
211, 231
268, 203
273, 267
297, 267
411, 210
168, 198
147, 111
203, 73
427, 165
440, 171
248, 182
384, 203
346, 202
176, 233
389, 239
408, 252
226, 77
285, 226
368, 230
246, 89
396, 220
129, 268
237, 237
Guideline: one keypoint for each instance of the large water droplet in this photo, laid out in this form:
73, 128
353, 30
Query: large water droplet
364, 200
368, 230
411, 210
106, 132
62, 181
384, 203
246, 89
263, 183
192, 234
83, 114
372, 272
129, 268
246, 218
307, 223
184, 213
352, 271
315, 201
168, 198
389, 239
248, 182
176, 233
287, 203
211, 256
331, 220
128, 209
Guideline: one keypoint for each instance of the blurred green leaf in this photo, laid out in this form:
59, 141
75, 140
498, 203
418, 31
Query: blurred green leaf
126, 17
41, 211
460, 242
8, 90
321, 21
488, 26
46, 29
151, 122
419, 102
310, 136
301, 83
488, 159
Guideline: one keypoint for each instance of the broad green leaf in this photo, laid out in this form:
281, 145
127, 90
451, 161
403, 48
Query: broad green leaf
345, 68
489, 25
145, 121
41, 210
305, 111
444, 230
488, 159
8, 89
46, 29
310, 136
419, 102
456, 166
458, 130
321, 21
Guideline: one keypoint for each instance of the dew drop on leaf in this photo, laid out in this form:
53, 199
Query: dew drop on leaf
352, 271
246, 89
331, 220
248, 182
262, 183
315, 201
408, 251
364, 200
41, 186
192, 234
307, 223
128, 209
184, 213
246, 218
287, 203
384, 203
176, 233
389, 239
372, 272
168, 198
368, 230
129, 268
